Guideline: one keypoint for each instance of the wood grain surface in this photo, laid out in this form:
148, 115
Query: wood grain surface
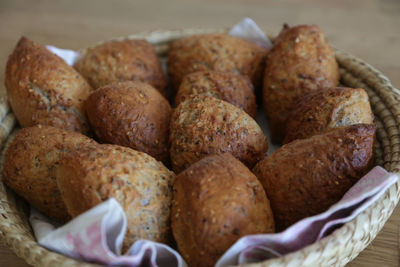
369, 29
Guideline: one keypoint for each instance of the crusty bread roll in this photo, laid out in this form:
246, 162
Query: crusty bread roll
131, 114
141, 184
232, 88
203, 125
219, 52
30, 162
320, 110
122, 60
43, 89
216, 201
300, 61
307, 176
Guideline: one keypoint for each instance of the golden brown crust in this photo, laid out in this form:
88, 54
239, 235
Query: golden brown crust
216, 201
131, 114
319, 111
43, 89
141, 184
300, 61
307, 176
125, 60
30, 163
218, 52
232, 88
204, 125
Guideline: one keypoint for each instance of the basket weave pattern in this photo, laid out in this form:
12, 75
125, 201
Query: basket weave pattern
337, 249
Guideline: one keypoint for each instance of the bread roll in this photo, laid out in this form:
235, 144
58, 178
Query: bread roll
218, 52
307, 176
122, 60
232, 88
321, 110
30, 162
216, 201
43, 89
131, 114
141, 184
203, 125
300, 61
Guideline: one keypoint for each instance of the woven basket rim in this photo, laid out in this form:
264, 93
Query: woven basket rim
357, 72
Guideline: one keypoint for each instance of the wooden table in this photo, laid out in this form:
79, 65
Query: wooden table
369, 29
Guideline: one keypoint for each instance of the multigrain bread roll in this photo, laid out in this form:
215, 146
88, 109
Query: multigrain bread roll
43, 89
141, 184
203, 125
30, 162
124, 60
319, 111
131, 114
216, 201
218, 52
307, 176
232, 88
300, 61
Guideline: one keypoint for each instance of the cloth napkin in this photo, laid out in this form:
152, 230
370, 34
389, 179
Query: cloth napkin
97, 234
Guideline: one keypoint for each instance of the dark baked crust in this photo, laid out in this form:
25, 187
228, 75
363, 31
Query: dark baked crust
300, 61
30, 163
216, 201
131, 114
307, 176
122, 60
232, 88
43, 89
141, 184
218, 52
203, 125
319, 111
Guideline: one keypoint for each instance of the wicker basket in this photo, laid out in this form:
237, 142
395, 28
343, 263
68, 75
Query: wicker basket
337, 249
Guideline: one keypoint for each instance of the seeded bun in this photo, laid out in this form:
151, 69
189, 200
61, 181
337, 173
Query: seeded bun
217, 52
122, 60
30, 162
300, 61
216, 201
232, 88
141, 185
321, 110
203, 125
132, 114
305, 177
43, 89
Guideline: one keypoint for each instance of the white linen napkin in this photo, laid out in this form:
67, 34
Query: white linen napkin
97, 236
